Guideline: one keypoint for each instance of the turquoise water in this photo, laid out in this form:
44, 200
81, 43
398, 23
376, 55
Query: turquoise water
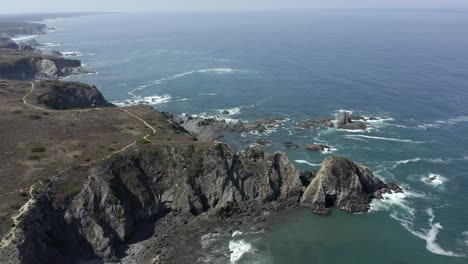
410, 66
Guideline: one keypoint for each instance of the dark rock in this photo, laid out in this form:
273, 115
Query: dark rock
343, 184
31, 43
345, 122
290, 145
7, 43
69, 95
317, 147
263, 142
326, 121
226, 112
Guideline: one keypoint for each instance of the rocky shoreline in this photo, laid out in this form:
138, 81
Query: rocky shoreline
153, 200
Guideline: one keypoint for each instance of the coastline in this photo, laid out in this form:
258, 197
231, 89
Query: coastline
167, 236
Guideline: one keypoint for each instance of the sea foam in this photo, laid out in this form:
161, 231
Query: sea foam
308, 163
433, 179
149, 100
382, 138
430, 236
238, 248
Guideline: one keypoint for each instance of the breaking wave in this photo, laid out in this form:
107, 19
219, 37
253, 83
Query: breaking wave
383, 138
217, 71
148, 100
448, 122
308, 163
430, 235
433, 179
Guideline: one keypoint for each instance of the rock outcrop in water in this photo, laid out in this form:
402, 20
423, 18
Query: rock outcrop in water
345, 122
343, 184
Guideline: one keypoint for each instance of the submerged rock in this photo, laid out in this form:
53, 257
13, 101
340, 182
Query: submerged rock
263, 142
317, 147
291, 145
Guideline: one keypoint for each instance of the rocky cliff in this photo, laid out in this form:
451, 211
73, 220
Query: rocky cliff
23, 62
108, 186
12, 29
29, 66
141, 186
61, 96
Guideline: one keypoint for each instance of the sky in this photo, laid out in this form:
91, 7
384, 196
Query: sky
26, 6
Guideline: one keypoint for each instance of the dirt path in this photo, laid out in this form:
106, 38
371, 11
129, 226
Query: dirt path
9, 238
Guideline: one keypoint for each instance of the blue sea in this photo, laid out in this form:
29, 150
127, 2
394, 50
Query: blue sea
409, 67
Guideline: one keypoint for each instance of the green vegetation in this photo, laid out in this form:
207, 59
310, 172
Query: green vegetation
256, 154
38, 149
34, 158
72, 191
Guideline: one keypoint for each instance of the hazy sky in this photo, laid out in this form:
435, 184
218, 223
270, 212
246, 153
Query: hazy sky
15, 6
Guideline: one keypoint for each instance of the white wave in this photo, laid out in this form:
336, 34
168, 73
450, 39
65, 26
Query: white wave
465, 234
400, 162
208, 239
71, 53
23, 37
377, 120
232, 111
48, 44
182, 99
392, 200
430, 236
353, 130
208, 94
91, 54
434, 179
383, 138
122, 84
237, 233
308, 163
443, 123
149, 100
212, 71
238, 248
181, 75
329, 150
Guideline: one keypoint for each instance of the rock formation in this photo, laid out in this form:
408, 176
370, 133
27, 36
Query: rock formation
317, 147
345, 122
62, 96
7, 43
343, 184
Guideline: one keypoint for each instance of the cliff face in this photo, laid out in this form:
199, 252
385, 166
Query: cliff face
37, 67
61, 96
144, 185
341, 183
12, 29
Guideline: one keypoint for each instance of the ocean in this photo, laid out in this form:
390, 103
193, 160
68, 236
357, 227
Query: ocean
408, 67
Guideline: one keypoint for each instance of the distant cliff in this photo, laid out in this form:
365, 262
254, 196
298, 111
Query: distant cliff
12, 29
22, 62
